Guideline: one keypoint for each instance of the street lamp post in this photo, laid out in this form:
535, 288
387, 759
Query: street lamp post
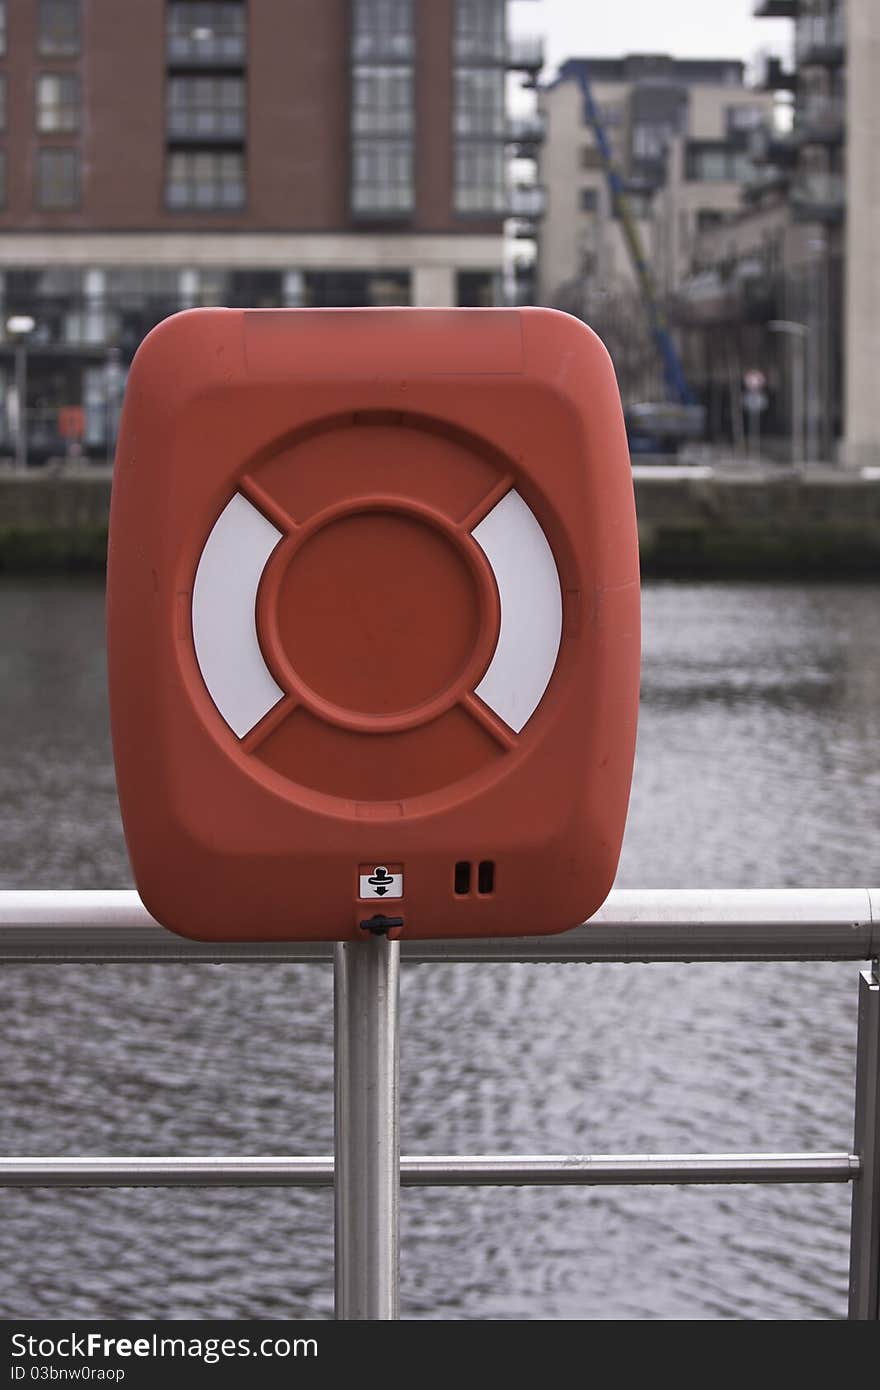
20, 327
114, 376
798, 334
817, 318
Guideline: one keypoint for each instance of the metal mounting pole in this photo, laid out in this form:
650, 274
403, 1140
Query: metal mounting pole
864, 1269
367, 1147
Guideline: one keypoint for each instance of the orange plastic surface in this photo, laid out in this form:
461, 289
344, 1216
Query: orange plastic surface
375, 441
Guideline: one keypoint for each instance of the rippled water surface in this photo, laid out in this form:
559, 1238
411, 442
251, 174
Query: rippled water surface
758, 765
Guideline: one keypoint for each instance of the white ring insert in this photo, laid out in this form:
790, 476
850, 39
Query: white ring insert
513, 541
225, 598
224, 615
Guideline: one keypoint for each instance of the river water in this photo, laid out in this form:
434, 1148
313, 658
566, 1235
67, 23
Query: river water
758, 765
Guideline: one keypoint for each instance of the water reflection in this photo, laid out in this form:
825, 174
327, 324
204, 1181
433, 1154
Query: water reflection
757, 764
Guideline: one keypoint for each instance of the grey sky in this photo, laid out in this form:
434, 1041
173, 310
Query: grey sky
684, 28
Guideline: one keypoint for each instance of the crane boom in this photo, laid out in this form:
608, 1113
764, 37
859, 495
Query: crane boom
677, 386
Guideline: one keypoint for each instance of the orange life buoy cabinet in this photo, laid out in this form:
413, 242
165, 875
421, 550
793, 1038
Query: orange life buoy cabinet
373, 622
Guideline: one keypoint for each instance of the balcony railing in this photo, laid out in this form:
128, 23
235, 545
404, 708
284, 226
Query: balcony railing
776, 9
820, 119
525, 53
526, 130
707, 298
383, 46
767, 178
819, 196
370, 123
382, 202
527, 200
207, 48
221, 123
521, 52
769, 146
820, 39
773, 77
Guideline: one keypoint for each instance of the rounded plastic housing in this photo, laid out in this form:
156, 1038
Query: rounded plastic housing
373, 622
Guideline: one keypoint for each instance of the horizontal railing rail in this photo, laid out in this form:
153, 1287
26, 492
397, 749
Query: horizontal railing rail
46, 927
633, 925
436, 1170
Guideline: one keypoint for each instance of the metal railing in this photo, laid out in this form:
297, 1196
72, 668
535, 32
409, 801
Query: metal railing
527, 129
527, 200
820, 37
525, 52
820, 195
820, 118
367, 1170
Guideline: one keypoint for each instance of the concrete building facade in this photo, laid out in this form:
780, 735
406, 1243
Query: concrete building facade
790, 285
679, 132
862, 414
171, 153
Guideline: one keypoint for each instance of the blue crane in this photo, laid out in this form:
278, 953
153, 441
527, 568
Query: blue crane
677, 388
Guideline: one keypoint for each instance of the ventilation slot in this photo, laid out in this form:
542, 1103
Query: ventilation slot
462, 877
486, 877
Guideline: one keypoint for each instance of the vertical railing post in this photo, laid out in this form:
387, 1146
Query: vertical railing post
864, 1270
367, 1125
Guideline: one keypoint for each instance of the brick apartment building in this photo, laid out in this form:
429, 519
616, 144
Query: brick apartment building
159, 154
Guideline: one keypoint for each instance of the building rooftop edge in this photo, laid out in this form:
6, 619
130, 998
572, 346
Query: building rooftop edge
605, 66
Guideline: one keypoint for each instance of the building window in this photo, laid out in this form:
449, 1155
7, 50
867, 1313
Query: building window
640, 203
382, 108
57, 178
206, 287
340, 289
479, 289
707, 166
382, 177
383, 29
611, 114
2, 28
479, 101
717, 164
57, 101
202, 31
745, 117
201, 106
293, 289
2, 100
382, 101
2, 178
131, 286
205, 179
480, 184
708, 219
480, 30
650, 141
59, 28
589, 200
742, 168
